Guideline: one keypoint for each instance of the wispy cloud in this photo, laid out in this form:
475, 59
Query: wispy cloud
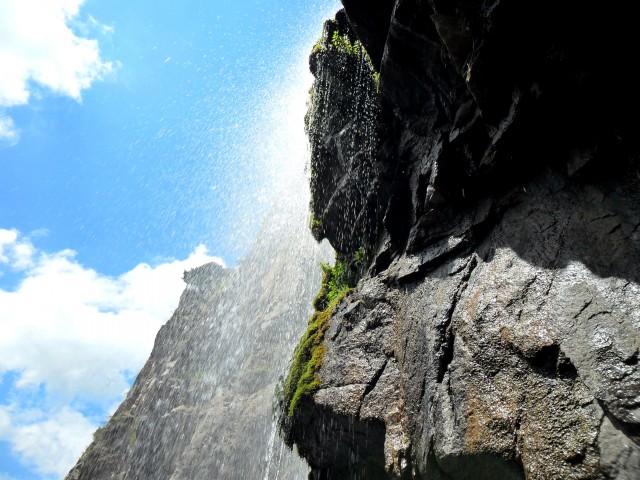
49, 441
9, 135
73, 337
17, 255
38, 47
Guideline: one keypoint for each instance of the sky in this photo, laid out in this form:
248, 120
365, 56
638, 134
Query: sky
137, 140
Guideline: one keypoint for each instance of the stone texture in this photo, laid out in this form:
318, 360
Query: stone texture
202, 405
515, 356
497, 331
342, 125
370, 21
492, 167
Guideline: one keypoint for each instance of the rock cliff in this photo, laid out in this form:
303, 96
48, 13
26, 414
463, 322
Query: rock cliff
202, 406
484, 155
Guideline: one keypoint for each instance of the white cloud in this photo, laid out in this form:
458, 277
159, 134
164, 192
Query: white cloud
5, 423
78, 336
70, 327
7, 240
53, 442
104, 29
38, 46
18, 255
8, 133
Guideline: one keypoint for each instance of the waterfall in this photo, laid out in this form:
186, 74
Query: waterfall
202, 406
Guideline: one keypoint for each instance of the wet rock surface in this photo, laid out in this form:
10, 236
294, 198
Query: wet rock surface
343, 124
202, 406
497, 331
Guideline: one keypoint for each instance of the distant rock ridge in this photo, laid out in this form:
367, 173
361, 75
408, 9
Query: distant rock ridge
202, 406
496, 334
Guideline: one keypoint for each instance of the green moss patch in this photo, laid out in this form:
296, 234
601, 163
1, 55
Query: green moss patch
337, 281
303, 377
343, 43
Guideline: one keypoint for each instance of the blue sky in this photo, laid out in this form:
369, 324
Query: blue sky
137, 139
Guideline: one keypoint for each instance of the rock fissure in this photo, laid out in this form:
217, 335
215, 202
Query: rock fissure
631, 431
599, 313
447, 336
372, 384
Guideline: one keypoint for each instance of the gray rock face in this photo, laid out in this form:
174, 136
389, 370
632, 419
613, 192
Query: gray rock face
497, 331
513, 358
202, 406
344, 181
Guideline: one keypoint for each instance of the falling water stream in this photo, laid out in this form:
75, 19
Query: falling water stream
202, 406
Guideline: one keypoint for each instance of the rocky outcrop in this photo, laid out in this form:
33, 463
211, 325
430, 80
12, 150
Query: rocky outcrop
202, 406
344, 185
496, 333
